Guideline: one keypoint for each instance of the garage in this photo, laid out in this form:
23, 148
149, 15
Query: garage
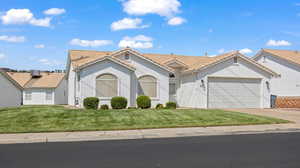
234, 93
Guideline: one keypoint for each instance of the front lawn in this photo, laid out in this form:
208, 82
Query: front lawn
57, 118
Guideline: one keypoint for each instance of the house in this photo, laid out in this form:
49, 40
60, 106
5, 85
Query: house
41, 88
11, 91
287, 64
229, 80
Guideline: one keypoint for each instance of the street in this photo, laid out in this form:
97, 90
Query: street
237, 151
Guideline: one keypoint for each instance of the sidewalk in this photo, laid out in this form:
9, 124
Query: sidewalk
145, 134
292, 115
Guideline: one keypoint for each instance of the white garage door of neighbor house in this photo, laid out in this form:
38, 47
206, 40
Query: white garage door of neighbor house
234, 93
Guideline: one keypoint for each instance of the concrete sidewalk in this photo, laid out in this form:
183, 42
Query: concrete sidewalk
287, 114
145, 134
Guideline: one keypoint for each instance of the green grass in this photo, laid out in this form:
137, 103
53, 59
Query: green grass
57, 119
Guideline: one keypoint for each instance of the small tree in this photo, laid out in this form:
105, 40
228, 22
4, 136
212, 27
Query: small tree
91, 103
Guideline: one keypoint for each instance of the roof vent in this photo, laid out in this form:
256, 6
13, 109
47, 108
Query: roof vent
35, 74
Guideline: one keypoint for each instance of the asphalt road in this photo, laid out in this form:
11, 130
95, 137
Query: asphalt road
239, 151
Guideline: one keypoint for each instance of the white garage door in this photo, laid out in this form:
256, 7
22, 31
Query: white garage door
234, 93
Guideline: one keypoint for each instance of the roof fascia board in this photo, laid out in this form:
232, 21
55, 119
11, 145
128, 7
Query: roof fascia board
136, 53
103, 59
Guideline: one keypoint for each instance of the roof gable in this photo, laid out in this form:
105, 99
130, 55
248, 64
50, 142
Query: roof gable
122, 63
47, 80
287, 55
4, 74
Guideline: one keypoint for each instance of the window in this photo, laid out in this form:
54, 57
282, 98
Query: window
106, 86
28, 95
49, 95
148, 86
235, 60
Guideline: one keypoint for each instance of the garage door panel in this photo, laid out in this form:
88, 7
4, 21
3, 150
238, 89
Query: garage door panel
234, 93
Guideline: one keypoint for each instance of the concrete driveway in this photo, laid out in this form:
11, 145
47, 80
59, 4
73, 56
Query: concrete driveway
286, 114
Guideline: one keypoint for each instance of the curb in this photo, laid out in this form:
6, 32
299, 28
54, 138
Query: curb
135, 134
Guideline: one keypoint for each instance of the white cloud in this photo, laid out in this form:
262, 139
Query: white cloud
13, 39
278, 43
128, 23
90, 43
176, 21
48, 62
23, 16
167, 8
39, 46
2, 56
246, 51
221, 51
139, 41
54, 11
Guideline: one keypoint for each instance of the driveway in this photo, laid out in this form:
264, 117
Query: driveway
286, 114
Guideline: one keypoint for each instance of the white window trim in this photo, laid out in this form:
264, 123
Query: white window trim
157, 87
118, 87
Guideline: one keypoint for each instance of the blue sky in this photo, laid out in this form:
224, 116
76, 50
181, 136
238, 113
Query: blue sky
35, 35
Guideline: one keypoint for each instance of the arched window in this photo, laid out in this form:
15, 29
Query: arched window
147, 86
106, 86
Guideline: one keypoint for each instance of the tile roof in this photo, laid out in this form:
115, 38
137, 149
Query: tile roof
288, 55
190, 63
81, 57
47, 80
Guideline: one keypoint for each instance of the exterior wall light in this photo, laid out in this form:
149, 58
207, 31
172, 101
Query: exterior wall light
268, 84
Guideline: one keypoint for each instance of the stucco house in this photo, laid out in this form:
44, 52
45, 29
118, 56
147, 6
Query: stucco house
229, 80
41, 88
10, 91
287, 64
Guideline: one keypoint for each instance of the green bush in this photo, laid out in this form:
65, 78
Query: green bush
91, 103
159, 106
132, 108
143, 102
118, 102
171, 105
104, 107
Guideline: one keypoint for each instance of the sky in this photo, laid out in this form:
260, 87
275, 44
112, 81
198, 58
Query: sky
37, 34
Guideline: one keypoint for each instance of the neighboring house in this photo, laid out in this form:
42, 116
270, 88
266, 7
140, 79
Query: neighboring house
287, 64
229, 80
41, 88
10, 91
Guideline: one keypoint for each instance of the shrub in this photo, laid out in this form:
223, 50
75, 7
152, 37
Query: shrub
159, 106
104, 107
171, 105
132, 108
118, 102
143, 102
91, 103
